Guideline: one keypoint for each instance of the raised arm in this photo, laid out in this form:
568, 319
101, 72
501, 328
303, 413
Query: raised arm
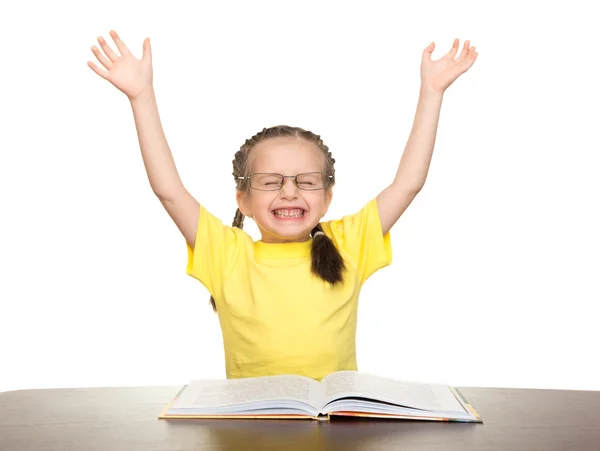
160, 167
133, 77
436, 76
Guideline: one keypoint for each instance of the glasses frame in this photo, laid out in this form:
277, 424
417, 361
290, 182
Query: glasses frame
283, 177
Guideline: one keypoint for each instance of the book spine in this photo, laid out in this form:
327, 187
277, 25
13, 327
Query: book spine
322, 417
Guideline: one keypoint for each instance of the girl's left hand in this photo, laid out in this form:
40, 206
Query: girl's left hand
438, 75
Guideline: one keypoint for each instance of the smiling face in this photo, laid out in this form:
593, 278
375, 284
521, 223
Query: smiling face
289, 214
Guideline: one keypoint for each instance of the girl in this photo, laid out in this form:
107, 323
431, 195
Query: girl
287, 304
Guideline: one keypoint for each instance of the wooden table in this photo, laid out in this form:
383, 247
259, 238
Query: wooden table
126, 419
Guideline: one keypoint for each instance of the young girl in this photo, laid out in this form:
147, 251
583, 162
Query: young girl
287, 304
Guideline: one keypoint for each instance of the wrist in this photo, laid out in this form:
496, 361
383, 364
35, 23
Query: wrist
430, 91
144, 96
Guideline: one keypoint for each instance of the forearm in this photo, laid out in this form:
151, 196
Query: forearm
158, 159
416, 159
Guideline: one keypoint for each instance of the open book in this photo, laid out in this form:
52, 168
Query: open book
347, 393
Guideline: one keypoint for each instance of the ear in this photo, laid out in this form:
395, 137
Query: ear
242, 201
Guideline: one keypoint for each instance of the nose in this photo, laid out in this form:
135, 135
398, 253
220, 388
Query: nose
288, 190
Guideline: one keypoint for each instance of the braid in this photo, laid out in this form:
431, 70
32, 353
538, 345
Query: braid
326, 261
238, 219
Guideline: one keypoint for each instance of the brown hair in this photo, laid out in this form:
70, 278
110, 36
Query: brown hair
326, 261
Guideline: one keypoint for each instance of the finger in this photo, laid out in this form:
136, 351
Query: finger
465, 51
147, 51
452, 53
106, 63
120, 45
464, 65
428, 51
107, 50
471, 59
102, 73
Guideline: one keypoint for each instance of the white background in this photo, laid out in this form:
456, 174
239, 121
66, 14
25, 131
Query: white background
494, 280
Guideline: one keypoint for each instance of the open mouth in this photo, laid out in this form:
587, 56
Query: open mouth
288, 213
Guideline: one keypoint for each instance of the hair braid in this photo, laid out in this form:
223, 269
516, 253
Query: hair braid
326, 261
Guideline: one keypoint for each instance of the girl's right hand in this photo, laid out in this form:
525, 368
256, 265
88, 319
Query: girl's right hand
130, 75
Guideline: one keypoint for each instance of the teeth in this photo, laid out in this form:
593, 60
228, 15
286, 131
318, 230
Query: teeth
289, 213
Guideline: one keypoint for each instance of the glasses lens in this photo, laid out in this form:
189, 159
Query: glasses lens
266, 181
310, 181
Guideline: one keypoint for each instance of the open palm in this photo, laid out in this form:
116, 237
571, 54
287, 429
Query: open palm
127, 73
440, 74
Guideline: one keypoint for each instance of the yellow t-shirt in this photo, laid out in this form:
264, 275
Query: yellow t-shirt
275, 315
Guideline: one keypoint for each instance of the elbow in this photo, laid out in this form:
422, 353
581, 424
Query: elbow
409, 187
418, 188
167, 188
165, 195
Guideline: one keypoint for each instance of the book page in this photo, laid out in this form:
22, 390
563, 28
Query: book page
412, 394
214, 393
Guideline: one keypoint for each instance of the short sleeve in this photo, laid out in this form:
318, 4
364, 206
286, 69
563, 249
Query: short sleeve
215, 249
360, 236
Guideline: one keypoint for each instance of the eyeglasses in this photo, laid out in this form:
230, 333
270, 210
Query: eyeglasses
267, 181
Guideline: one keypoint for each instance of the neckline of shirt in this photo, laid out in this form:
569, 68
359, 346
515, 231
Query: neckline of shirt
283, 250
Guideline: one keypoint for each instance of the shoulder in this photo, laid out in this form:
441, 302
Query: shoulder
352, 221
